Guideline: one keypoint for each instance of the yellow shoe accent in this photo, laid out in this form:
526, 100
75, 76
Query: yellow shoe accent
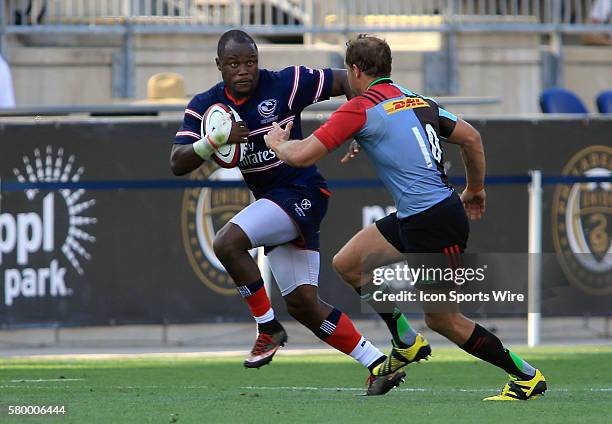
398, 358
516, 389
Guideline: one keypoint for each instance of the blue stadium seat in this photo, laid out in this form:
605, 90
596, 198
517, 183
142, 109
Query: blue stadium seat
560, 100
604, 101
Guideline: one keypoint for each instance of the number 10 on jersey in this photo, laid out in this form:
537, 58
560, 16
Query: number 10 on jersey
434, 142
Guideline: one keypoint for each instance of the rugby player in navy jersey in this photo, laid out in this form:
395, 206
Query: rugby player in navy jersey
290, 202
400, 131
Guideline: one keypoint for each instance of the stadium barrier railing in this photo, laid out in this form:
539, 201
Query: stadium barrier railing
302, 18
311, 15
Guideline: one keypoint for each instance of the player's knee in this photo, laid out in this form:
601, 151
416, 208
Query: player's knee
227, 242
348, 271
436, 322
221, 247
301, 306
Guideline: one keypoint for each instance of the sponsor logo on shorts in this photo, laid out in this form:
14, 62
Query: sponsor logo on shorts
52, 226
395, 106
305, 204
582, 222
206, 211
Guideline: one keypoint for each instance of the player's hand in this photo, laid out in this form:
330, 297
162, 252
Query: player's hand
474, 203
239, 133
220, 135
353, 150
277, 135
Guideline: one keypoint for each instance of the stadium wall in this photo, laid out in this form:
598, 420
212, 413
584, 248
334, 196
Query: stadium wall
114, 252
506, 66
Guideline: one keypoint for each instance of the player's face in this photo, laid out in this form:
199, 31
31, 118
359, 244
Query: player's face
239, 68
352, 79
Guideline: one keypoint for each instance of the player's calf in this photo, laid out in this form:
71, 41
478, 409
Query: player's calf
337, 330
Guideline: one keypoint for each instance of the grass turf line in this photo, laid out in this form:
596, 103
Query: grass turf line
304, 389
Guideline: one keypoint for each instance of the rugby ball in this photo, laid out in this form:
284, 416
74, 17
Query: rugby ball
229, 155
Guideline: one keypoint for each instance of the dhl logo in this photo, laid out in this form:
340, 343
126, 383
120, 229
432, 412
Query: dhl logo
403, 104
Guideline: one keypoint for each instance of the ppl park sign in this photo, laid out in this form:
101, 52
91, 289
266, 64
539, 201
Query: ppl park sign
40, 242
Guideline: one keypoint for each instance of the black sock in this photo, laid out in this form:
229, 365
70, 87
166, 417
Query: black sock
399, 327
486, 346
269, 327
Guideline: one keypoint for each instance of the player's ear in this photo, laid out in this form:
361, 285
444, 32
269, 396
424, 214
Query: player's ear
218, 62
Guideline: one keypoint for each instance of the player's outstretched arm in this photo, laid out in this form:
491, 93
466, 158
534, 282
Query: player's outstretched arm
296, 153
472, 152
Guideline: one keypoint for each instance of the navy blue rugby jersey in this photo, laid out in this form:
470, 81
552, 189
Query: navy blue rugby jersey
279, 97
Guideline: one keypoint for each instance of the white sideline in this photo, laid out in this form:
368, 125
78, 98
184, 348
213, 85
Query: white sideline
404, 389
301, 388
162, 355
38, 380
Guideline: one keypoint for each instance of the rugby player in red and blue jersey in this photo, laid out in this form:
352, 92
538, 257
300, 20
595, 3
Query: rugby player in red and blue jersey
400, 132
290, 202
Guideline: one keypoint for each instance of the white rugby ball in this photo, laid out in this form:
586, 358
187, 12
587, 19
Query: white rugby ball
229, 155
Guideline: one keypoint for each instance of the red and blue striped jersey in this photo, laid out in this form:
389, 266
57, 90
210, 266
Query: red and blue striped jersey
279, 97
400, 131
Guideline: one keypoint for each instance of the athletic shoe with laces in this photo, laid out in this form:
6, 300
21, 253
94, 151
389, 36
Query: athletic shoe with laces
381, 384
516, 389
400, 357
265, 347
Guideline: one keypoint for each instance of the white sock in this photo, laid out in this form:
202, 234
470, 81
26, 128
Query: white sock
267, 317
365, 352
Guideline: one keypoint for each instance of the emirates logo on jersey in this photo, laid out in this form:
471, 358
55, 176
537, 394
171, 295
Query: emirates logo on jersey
252, 156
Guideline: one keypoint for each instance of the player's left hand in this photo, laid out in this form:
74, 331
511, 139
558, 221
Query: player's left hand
474, 203
277, 135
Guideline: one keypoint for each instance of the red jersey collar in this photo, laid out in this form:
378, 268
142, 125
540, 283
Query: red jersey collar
235, 101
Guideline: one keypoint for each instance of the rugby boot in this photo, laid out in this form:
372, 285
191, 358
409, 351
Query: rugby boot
516, 389
265, 347
381, 384
398, 358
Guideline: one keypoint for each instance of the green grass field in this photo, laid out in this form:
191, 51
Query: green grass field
304, 389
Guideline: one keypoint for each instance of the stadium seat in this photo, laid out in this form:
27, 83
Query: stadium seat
560, 100
604, 101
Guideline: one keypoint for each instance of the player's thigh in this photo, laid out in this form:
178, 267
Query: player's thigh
293, 267
255, 221
367, 250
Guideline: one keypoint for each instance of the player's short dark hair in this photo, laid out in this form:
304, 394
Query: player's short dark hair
372, 55
236, 35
